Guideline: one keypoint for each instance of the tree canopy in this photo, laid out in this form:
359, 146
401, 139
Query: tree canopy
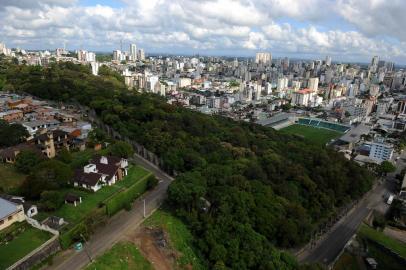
243, 189
11, 134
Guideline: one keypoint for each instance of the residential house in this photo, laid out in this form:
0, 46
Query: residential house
53, 141
101, 171
9, 213
30, 209
9, 154
12, 115
34, 126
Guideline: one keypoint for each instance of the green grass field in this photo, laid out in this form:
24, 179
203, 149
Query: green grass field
319, 136
121, 256
180, 238
90, 201
21, 245
377, 236
10, 179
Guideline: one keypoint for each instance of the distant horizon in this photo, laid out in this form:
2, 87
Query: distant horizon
206, 54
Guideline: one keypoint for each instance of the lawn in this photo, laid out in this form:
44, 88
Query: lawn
377, 236
10, 179
121, 256
180, 238
90, 200
319, 136
21, 245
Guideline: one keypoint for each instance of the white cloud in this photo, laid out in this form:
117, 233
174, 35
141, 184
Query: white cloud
281, 26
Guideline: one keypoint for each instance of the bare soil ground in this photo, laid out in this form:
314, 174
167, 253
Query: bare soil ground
395, 233
155, 247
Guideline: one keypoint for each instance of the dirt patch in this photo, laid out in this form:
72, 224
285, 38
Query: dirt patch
395, 233
155, 247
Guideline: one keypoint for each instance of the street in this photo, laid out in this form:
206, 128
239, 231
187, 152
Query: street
329, 247
334, 241
118, 225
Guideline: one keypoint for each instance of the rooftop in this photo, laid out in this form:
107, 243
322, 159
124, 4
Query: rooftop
7, 208
354, 134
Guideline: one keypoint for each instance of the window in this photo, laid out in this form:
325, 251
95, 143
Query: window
10, 217
1, 222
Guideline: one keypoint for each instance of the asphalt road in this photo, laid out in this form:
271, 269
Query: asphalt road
117, 226
331, 245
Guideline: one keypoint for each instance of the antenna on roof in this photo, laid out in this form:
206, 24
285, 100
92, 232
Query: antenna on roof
121, 45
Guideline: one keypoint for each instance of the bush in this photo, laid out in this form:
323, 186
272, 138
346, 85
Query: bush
379, 221
151, 182
26, 161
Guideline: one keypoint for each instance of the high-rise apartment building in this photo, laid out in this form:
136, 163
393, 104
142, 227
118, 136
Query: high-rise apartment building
328, 60
263, 58
141, 54
313, 84
133, 52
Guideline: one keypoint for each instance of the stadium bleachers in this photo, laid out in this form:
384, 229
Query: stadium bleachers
318, 123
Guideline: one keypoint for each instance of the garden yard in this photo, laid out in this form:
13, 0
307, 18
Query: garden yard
23, 242
92, 200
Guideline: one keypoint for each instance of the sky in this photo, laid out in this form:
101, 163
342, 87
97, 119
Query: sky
347, 30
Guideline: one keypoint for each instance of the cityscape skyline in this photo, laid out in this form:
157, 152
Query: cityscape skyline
346, 29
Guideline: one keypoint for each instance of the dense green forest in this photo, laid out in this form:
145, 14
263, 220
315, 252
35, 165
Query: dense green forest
243, 189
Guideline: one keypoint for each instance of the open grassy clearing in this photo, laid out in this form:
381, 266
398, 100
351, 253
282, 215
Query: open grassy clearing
122, 256
319, 136
179, 236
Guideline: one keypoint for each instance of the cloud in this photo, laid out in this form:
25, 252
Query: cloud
293, 27
375, 17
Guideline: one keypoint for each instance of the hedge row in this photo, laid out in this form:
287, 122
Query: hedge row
83, 228
121, 199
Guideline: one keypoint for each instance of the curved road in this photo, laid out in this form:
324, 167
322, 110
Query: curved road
118, 225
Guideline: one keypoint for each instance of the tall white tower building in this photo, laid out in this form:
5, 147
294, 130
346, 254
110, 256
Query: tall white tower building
133, 52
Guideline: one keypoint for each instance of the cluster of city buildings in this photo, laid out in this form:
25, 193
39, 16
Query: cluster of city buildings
50, 129
365, 97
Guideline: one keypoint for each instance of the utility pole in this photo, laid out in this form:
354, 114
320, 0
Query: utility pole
84, 247
144, 209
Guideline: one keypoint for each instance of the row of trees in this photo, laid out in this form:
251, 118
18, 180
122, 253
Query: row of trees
243, 189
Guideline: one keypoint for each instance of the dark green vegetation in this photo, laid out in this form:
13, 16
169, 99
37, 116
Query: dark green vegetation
11, 134
10, 178
380, 238
121, 256
180, 238
24, 241
242, 189
347, 261
319, 136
